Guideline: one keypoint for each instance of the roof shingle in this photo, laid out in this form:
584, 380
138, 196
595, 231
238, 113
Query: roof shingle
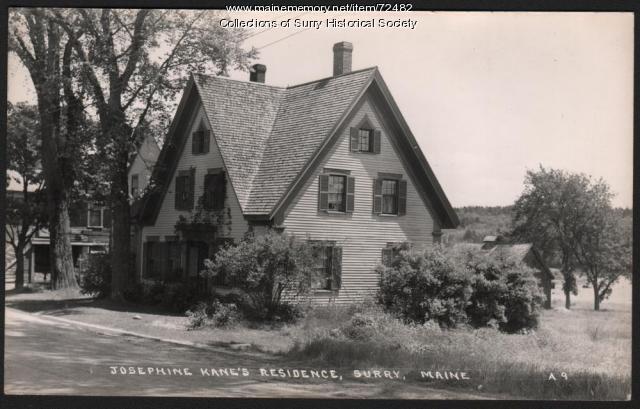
267, 134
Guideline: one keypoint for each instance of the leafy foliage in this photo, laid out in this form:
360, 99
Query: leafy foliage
95, 277
505, 294
425, 286
569, 218
264, 267
26, 211
453, 287
213, 313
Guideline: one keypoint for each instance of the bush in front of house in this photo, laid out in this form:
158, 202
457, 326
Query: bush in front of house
505, 292
421, 287
270, 269
95, 276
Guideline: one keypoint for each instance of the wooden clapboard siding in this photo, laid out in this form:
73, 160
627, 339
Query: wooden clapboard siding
362, 234
168, 215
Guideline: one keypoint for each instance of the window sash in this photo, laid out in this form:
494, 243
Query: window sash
323, 267
365, 137
337, 193
95, 217
389, 196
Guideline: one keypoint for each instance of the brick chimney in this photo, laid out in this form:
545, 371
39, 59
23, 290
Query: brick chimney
342, 58
257, 73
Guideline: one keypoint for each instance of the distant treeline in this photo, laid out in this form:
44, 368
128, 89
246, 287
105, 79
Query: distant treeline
476, 222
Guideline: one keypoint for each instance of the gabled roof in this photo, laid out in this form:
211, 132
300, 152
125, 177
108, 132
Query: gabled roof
269, 137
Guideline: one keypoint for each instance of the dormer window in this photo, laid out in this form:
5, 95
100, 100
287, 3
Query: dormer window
200, 141
365, 137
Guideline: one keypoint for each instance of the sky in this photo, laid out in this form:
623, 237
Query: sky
488, 95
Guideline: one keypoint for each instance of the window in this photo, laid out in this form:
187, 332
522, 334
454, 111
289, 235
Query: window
390, 194
134, 185
365, 139
328, 258
200, 141
174, 259
336, 199
389, 197
336, 191
214, 191
184, 189
94, 217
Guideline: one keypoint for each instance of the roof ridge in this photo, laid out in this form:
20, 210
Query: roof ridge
375, 67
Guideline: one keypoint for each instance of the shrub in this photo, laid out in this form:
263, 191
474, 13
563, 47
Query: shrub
267, 268
423, 287
213, 313
95, 276
362, 327
505, 292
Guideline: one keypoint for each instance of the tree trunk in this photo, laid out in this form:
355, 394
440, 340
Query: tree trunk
19, 249
596, 298
60, 250
120, 225
567, 300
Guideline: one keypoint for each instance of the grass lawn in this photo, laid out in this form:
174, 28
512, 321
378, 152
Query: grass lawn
592, 348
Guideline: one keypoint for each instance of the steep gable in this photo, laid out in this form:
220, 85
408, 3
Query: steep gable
270, 137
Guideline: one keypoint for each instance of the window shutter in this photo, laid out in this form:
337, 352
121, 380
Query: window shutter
195, 142
402, 197
191, 189
376, 141
351, 190
220, 189
206, 136
336, 268
83, 220
208, 191
387, 256
323, 192
163, 258
377, 196
355, 139
106, 218
179, 189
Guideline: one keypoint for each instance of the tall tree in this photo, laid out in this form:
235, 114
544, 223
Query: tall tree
134, 62
545, 215
25, 212
42, 47
601, 242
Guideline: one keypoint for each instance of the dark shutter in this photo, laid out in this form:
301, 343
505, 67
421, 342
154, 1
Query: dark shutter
402, 197
351, 190
178, 194
219, 192
377, 196
376, 141
191, 189
336, 268
323, 192
355, 140
209, 183
106, 218
163, 259
206, 136
387, 256
195, 142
